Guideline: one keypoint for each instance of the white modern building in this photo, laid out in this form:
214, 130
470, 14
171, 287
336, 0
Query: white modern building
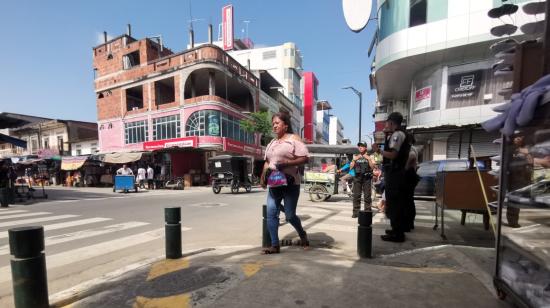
434, 65
335, 131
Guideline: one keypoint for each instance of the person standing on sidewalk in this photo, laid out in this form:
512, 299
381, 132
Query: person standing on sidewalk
150, 177
283, 155
363, 166
411, 180
141, 176
396, 153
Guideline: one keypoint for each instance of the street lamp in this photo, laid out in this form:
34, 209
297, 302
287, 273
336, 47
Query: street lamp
360, 106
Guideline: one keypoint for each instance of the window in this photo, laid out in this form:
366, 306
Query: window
271, 54
60, 144
418, 9
130, 60
166, 127
135, 132
46, 143
207, 123
134, 98
164, 91
34, 145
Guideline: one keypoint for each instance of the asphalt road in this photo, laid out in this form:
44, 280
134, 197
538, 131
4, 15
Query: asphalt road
93, 231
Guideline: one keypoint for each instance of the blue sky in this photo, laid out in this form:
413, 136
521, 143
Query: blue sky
46, 50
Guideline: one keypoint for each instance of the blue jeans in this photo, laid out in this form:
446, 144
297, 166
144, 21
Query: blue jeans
275, 196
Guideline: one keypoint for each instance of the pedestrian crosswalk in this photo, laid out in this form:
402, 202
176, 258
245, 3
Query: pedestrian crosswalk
89, 237
330, 217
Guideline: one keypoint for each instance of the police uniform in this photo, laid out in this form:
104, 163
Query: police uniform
394, 174
361, 183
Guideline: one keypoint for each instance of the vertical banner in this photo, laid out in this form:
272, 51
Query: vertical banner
423, 98
227, 27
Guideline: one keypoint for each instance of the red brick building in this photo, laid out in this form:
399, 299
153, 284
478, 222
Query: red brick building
187, 104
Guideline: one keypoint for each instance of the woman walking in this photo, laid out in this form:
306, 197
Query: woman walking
284, 155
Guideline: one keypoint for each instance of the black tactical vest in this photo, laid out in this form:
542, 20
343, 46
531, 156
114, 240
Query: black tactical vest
362, 166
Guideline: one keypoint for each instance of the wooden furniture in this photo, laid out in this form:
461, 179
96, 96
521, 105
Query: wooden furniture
461, 190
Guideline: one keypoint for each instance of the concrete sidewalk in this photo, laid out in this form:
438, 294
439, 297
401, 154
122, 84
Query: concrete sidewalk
442, 276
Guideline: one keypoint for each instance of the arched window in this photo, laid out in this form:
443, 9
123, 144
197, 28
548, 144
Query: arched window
218, 124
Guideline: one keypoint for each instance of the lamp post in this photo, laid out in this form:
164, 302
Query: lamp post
360, 106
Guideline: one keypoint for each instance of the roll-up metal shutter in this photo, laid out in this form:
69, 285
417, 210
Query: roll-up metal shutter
481, 140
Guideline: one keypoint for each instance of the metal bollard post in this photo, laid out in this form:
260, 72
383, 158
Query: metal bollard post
364, 234
172, 229
266, 238
28, 267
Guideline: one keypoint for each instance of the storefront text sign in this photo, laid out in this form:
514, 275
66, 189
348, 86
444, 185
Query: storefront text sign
230, 145
464, 85
187, 142
423, 98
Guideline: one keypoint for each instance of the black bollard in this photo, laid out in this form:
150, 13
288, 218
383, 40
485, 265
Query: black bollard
28, 267
4, 197
266, 239
172, 217
364, 234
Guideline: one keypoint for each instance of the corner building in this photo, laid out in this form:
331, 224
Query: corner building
185, 105
434, 65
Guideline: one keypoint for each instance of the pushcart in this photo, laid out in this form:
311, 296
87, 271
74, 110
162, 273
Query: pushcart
125, 183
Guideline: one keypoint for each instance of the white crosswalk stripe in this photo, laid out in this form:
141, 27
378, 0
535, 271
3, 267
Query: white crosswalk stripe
63, 225
23, 215
92, 251
92, 239
34, 220
63, 238
12, 212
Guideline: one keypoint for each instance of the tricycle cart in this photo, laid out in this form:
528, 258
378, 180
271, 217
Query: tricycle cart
322, 184
125, 183
230, 171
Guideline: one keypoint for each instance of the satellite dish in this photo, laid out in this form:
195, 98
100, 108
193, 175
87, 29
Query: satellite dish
357, 13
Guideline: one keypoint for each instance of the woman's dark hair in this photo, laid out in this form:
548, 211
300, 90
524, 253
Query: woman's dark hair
285, 117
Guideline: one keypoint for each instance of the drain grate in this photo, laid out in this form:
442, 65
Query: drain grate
209, 204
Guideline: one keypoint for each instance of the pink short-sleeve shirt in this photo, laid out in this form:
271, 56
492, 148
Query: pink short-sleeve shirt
281, 150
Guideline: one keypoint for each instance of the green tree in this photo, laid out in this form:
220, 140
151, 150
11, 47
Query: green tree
260, 122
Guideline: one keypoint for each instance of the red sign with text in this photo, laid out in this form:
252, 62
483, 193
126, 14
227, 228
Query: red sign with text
227, 27
230, 145
187, 142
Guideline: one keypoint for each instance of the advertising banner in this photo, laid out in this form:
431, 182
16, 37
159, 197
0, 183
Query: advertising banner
72, 162
464, 85
423, 98
187, 142
227, 27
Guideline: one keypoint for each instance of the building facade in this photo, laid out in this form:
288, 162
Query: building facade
434, 65
336, 131
187, 105
284, 64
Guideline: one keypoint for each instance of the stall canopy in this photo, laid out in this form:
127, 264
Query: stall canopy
17, 142
121, 158
70, 163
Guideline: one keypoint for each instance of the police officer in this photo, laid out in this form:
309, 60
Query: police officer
363, 165
395, 155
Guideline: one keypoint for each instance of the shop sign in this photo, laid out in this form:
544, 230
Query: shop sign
231, 145
423, 98
187, 142
72, 162
464, 85
47, 153
227, 27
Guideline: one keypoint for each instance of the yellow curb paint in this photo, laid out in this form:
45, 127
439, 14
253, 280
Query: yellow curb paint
176, 301
427, 270
250, 269
167, 266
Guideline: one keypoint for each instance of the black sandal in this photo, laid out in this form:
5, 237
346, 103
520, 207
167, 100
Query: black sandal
271, 250
304, 241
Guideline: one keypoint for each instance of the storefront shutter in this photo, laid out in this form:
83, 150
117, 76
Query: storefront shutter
481, 140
